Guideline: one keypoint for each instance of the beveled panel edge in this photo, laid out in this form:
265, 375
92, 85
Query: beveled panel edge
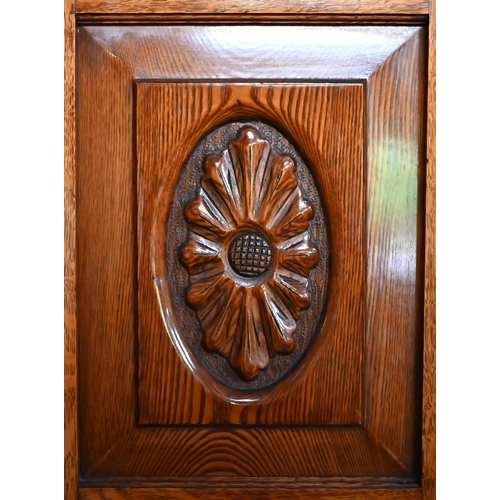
305, 456
253, 6
298, 63
418, 40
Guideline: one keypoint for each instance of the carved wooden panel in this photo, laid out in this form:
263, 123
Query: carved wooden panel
327, 153
250, 232
346, 105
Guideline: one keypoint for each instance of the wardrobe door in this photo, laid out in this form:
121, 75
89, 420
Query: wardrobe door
250, 260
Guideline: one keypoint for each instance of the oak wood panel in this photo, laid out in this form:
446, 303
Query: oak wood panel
429, 386
70, 352
240, 19
326, 387
112, 379
290, 455
249, 494
396, 153
243, 52
105, 249
252, 6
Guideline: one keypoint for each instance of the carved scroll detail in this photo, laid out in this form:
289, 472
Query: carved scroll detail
249, 253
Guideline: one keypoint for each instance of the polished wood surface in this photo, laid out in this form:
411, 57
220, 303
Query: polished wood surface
111, 442
108, 258
254, 6
248, 494
395, 195
249, 251
106, 250
326, 387
70, 352
429, 382
250, 456
310, 53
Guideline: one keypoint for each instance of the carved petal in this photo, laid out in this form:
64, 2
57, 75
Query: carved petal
277, 187
249, 351
249, 154
293, 290
219, 181
293, 217
205, 219
298, 254
200, 255
281, 325
221, 327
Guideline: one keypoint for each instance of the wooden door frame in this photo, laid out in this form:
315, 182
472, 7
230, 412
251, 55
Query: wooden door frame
328, 11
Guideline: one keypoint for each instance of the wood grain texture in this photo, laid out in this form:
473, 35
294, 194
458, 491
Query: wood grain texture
249, 494
243, 52
253, 6
429, 386
105, 249
218, 456
325, 387
395, 181
111, 444
249, 251
70, 352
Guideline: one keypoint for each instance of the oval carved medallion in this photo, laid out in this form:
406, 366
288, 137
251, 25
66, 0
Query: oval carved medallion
252, 245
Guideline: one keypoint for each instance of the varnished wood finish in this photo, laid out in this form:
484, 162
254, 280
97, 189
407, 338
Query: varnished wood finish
70, 351
429, 386
326, 387
249, 251
218, 456
106, 250
310, 53
395, 182
248, 494
112, 445
253, 6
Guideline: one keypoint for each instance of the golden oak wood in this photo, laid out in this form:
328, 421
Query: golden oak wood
251, 456
396, 153
305, 53
249, 494
249, 252
110, 441
331, 144
254, 6
429, 382
70, 351
106, 250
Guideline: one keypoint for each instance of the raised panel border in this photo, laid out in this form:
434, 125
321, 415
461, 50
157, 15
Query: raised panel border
71, 463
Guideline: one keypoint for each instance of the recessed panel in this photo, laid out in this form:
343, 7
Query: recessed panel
256, 170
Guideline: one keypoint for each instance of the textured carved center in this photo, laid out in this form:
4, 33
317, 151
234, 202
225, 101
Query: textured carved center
250, 255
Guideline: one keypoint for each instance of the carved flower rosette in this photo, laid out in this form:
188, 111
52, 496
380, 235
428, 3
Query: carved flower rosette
249, 253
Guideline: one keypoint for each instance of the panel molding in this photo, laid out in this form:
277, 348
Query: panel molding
307, 53
123, 403
253, 6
